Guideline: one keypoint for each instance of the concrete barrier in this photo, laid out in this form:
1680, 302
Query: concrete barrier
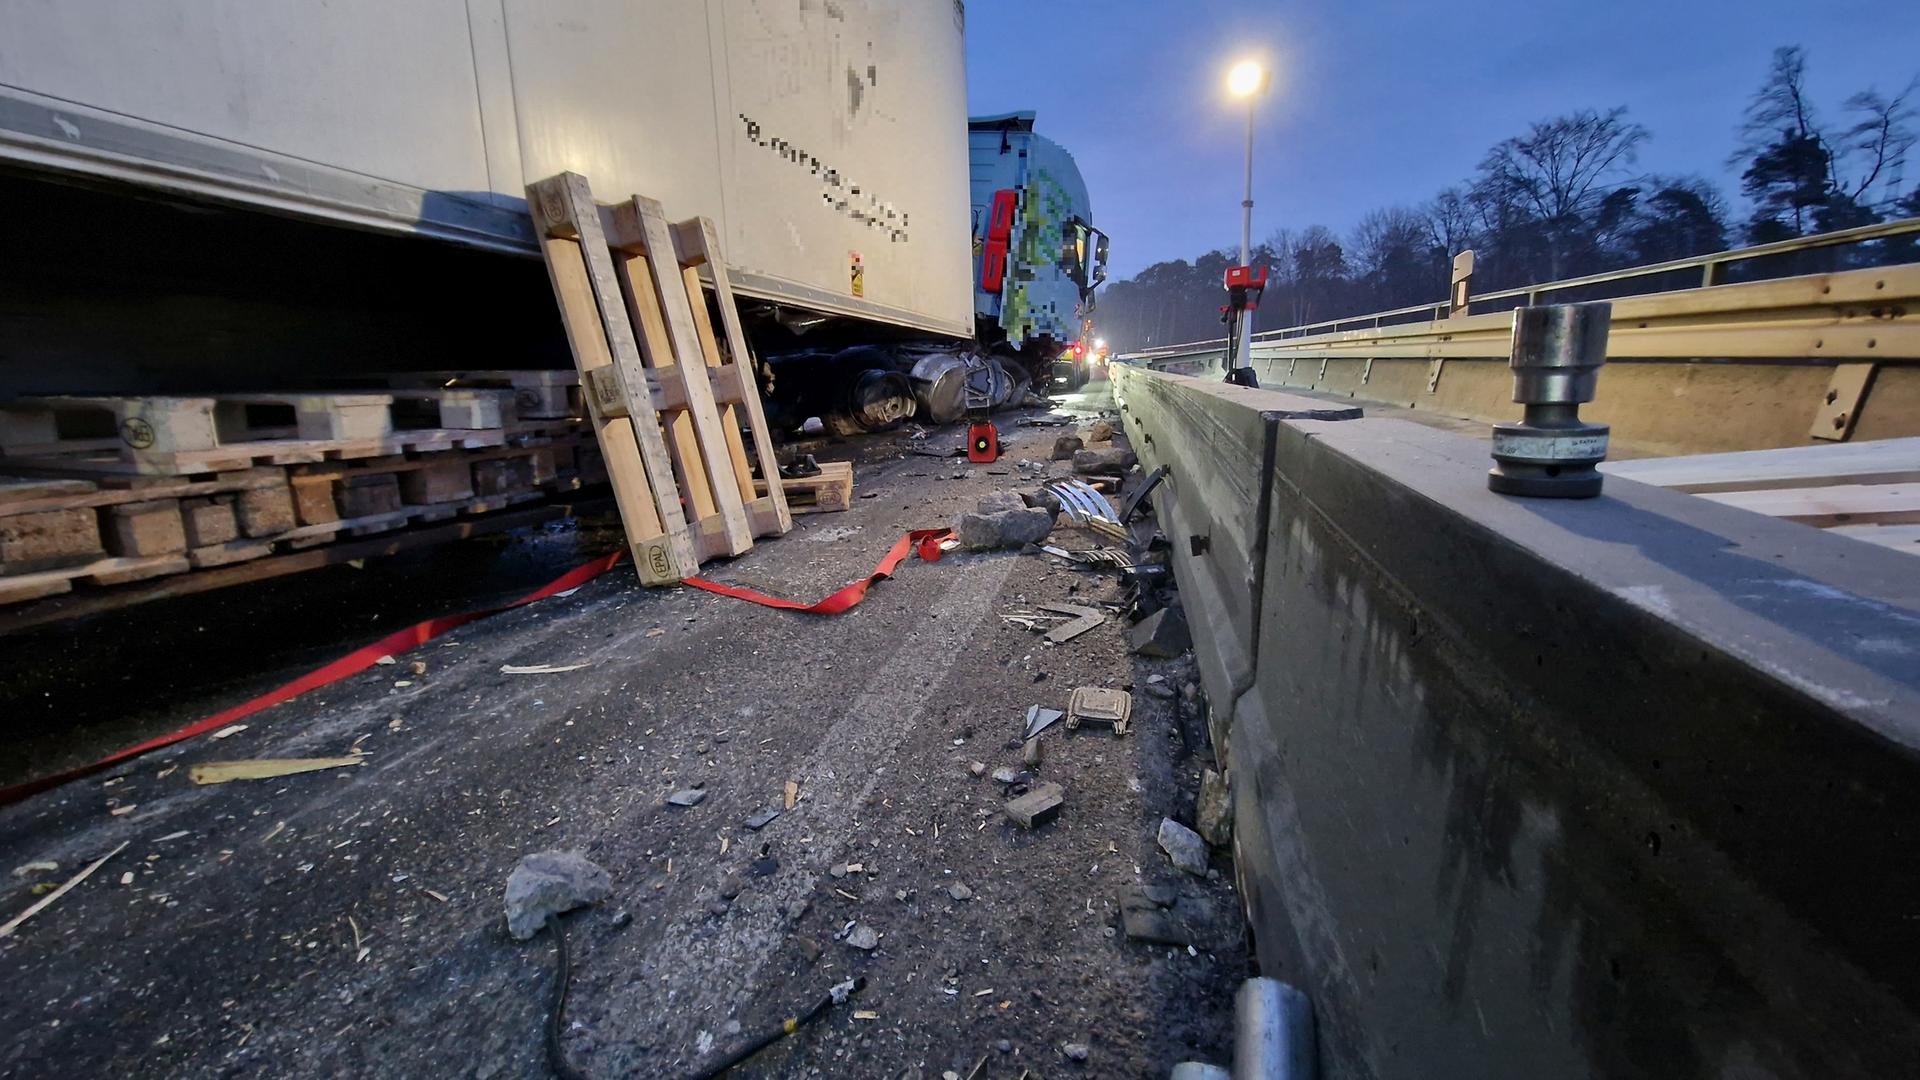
1617, 787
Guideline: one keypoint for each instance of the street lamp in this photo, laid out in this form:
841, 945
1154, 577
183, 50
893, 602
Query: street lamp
1247, 80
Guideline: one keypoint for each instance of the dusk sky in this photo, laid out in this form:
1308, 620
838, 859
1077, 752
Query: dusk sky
1382, 102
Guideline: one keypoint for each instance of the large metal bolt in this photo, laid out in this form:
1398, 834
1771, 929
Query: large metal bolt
1551, 452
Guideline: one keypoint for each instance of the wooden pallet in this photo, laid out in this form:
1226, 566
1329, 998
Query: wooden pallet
537, 394
655, 383
831, 490
185, 436
1867, 490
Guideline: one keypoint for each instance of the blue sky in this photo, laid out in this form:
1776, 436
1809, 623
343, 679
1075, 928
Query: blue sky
1379, 102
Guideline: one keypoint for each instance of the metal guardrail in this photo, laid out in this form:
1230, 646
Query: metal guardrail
1712, 270
1745, 366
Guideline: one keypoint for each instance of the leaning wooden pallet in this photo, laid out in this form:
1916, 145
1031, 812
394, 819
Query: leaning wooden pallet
651, 383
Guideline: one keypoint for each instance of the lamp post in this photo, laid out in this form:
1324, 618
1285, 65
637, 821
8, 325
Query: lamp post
1246, 80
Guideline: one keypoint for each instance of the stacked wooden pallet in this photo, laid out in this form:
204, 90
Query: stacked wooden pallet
108, 490
673, 411
1867, 490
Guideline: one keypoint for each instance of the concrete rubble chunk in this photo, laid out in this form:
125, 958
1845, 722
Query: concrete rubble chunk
1163, 633
1213, 812
1008, 528
864, 937
1184, 847
1066, 446
959, 891
1145, 915
1111, 461
687, 797
1076, 1051
996, 501
551, 883
1099, 431
1037, 807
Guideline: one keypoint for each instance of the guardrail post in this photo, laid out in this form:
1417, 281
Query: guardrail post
1462, 282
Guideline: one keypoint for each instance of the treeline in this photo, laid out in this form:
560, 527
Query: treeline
1562, 200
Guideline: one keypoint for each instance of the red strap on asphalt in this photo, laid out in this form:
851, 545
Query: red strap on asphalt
922, 542
351, 664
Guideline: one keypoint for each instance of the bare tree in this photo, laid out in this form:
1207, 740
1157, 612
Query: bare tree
1877, 142
1450, 221
1557, 169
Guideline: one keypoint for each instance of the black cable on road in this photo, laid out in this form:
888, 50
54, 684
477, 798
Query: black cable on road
838, 994
557, 1004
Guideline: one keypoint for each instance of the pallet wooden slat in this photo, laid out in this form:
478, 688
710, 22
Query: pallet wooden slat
697, 245
828, 491
1845, 504
1898, 537
1882, 461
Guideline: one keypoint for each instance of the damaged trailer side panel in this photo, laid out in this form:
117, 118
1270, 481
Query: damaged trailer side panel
827, 141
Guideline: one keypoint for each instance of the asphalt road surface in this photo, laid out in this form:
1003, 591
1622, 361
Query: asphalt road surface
348, 922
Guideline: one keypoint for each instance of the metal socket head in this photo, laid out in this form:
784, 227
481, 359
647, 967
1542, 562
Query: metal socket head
1551, 452
1557, 352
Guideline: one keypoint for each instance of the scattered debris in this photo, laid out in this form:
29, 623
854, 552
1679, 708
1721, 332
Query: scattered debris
1138, 499
792, 795
1084, 619
1039, 719
1066, 446
1184, 847
1031, 753
864, 937
230, 729
1007, 774
1112, 461
1037, 807
539, 669
418, 667
551, 883
1146, 915
1163, 633
43, 866
1099, 431
1003, 519
687, 797
1213, 812
1076, 1051
759, 821
221, 772
959, 891
386, 660
1100, 705
1085, 506
122, 811
46, 901
978, 768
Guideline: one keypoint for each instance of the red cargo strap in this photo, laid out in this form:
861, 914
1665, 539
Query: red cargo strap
924, 542
351, 664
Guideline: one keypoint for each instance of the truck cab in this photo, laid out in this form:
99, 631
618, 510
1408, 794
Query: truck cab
1037, 257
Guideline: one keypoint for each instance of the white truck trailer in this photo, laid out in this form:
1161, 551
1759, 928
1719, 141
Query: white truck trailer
826, 137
